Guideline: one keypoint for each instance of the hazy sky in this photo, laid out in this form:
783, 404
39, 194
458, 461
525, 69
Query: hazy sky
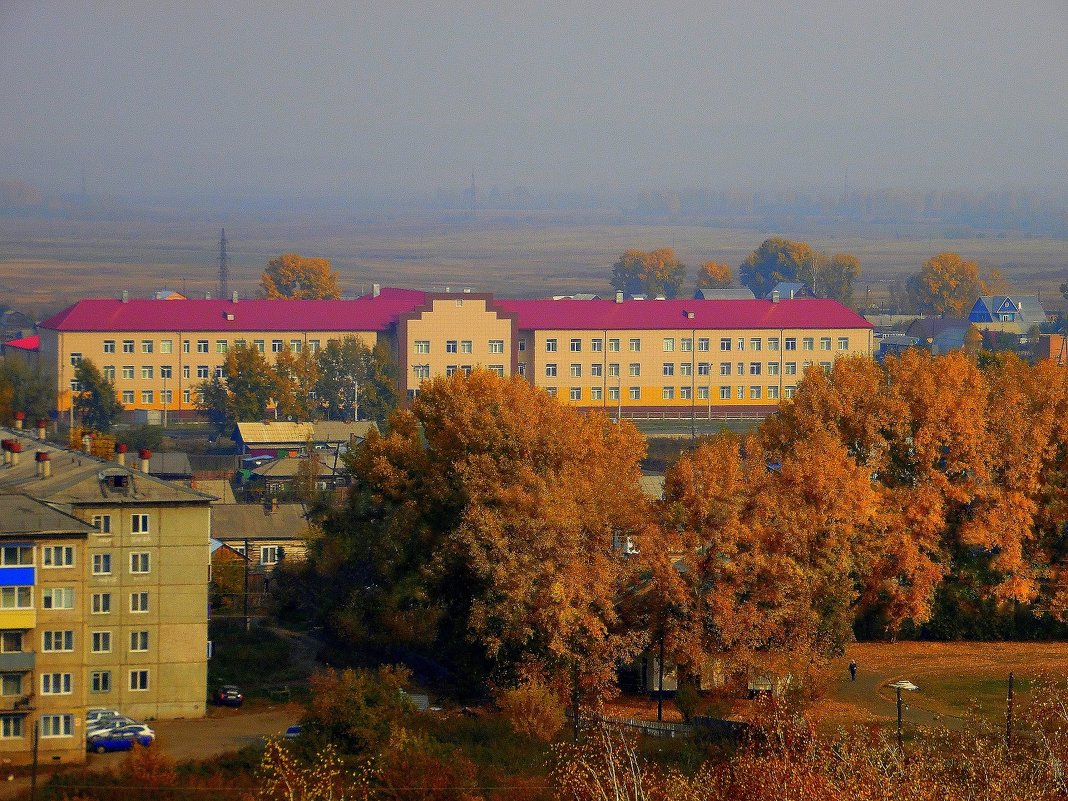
371, 98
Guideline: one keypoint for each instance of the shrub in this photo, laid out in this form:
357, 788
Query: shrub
532, 709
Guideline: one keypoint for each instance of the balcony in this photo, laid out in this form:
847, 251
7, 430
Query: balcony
18, 618
17, 703
17, 661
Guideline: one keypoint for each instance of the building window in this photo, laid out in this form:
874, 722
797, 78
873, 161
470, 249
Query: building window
669, 368
669, 393
791, 343
635, 369
754, 393
146, 372
790, 391
522, 368
139, 524
791, 368
724, 393
101, 564
146, 345
109, 372
754, 368
202, 371
127, 346
269, 554
102, 523
725, 368
75, 385
550, 346
576, 371
495, 346
57, 640
109, 346
576, 346
100, 681
166, 346
808, 343
613, 393
551, 391
825, 343
277, 346
202, 346
450, 370
703, 344
704, 368
576, 393
452, 346
686, 368
741, 393
466, 347
773, 368
741, 343
597, 345
522, 345
57, 556
128, 371
101, 603
58, 598
138, 640
16, 597
773, 343
669, 344
185, 371
422, 346
221, 346
635, 345
754, 343
421, 372
166, 396
56, 684
702, 393
139, 562
826, 366
596, 393
11, 726
101, 642
259, 345
685, 393
596, 370
127, 397
686, 344
187, 396
773, 393
466, 368
613, 370
185, 346
496, 368
613, 346
165, 371
138, 601
843, 343
635, 393
146, 395
550, 371
57, 726
138, 680
15, 555
725, 343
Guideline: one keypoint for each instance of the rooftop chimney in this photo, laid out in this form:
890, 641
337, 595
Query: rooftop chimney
145, 455
233, 297
42, 427
16, 449
774, 296
207, 296
619, 296
274, 505
20, 418
120, 453
44, 464
376, 290
125, 296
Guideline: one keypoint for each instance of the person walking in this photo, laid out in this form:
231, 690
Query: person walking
852, 670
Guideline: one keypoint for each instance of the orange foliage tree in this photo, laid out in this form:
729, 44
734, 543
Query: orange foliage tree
713, 275
947, 285
295, 277
652, 273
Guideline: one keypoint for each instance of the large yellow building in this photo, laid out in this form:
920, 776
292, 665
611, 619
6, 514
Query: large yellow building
631, 357
103, 596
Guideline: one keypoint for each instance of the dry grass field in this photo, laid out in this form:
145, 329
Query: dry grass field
46, 264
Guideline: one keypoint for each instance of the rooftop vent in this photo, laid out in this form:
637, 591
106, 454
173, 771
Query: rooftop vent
619, 296
774, 296
114, 479
689, 315
376, 290
125, 296
233, 297
229, 316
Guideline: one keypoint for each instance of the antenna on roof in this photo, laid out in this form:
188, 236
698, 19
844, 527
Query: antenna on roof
224, 266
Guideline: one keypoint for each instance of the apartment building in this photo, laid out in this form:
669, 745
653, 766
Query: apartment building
630, 357
105, 604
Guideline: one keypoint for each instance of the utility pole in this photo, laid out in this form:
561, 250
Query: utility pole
245, 597
355, 400
224, 267
33, 768
660, 682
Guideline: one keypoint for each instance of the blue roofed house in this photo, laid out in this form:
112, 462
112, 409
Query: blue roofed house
1006, 313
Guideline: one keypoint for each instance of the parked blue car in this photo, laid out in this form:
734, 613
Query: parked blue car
121, 738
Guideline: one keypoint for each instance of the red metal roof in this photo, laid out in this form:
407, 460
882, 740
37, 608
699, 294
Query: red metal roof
673, 314
362, 314
25, 343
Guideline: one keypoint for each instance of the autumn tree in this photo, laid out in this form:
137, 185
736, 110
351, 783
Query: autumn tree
295, 277
243, 391
95, 400
714, 275
358, 711
948, 285
779, 259
653, 273
23, 389
295, 377
350, 373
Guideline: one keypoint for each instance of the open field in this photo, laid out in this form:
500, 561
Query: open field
46, 264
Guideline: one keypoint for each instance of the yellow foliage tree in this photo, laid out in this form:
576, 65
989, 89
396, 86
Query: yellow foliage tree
947, 285
714, 275
295, 277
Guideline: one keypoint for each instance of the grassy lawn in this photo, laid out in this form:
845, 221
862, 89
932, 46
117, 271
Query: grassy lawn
257, 661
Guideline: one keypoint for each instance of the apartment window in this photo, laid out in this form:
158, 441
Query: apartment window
101, 604
635, 393
596, 393
11, 642
725, 368
259, 345
202, 346
522, 345
826, 366
466, 347
138, 640
635, 369
613, 371
550, 346
452, 346
422, 346
741, 343
15, 555
166, 346
596, 370
613, 346
576, 346
57, 726
139, 524
791, 343
101, 564
450, 370
576, 393
421, 372
773, 393
313, 345
703, 344
277, 346
57, 640
790, 392
669, 344
11, 684
522, 368
686, 344
754, 368
843, 343
101, 642
139, 601
466, 370
704, 368
754, 343
635, 345
185, 346
702, 393
270, 554
791, 368
669, 393
773, 368
495, 346
57, 556
808, 343
127, 397
550, 371
296, 345
576, 371
754, 393
100, 681
187, 396
221, 346
185, 371
146, 345
75, 385
109, 372
109, 346
551, 391
686, 368
138, 680
139, 562
773, 343
613, 393
202, 371
597, 345
685, 393
166, 396
496, 368
146, 372
128, 371
725, 343
805, 365
724, 393
669, 368
58, 598
825, 343
127, 346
